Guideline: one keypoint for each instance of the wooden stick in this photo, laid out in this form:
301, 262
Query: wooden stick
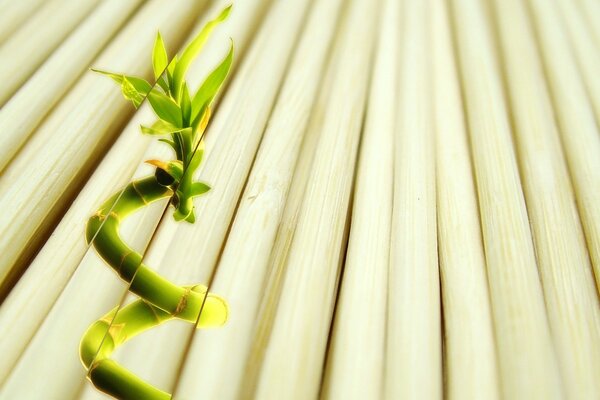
471, 370
591, 10
414, 354
297, 347
579, 130
50, 169
14, 13
27, 48
567, 277
360, 318
528, 365
215, 365
24, 111
586, 52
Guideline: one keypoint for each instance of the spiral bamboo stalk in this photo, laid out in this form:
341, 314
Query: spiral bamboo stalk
27, 48
521, 325
32, 102
292, 368
580, 135
471, 363
360, 318
88, 119
591, 9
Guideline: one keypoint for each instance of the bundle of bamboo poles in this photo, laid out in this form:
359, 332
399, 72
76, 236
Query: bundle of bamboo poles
405, 198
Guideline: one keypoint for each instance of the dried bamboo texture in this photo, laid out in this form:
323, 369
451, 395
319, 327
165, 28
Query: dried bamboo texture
580, 135
24, 111
87, 120
360, 316
413, 357
471, 370
14, 13
528, 365
565, 270
586, 52
27, 48
591, 10
215, 364
296, 350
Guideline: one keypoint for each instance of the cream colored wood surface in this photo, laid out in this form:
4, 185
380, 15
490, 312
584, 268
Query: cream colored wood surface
360, 316
580, 134
32, 102
414, 337
35, 40
471, 362
528, 365
307, 301
563, 261
14, 14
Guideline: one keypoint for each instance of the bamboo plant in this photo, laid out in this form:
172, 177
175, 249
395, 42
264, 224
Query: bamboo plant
182, 119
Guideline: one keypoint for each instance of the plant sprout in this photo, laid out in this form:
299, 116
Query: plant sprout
182, 119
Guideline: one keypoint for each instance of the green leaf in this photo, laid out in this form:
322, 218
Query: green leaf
169, 142
133, 88
165, 108
193, 49
199, 188
160, 127
159, 56
186, 104
211, 86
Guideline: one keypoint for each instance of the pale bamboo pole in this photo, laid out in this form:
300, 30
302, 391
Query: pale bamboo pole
586, 52
49, 170
356, 357
297, 348
578, 128
528, 365
27, 48
283, 239
30, 104
14, 13
413, 352
591, 10
37, 291
471, 363
215, 365
565, 269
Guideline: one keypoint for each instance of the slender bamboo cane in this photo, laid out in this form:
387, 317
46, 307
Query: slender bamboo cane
591, 10
567, 277
360, 319
284, 237
14, 13
87, 120
28, 107
413, 355
296, 352
27, 48
528, 365
579, 131
215, 364
471, 370
586, 52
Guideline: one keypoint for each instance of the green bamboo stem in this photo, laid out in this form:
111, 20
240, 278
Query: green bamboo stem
160, 300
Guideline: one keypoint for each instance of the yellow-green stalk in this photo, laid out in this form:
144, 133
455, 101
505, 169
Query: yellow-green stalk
183, 119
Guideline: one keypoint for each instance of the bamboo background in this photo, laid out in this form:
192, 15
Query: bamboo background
405, 198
